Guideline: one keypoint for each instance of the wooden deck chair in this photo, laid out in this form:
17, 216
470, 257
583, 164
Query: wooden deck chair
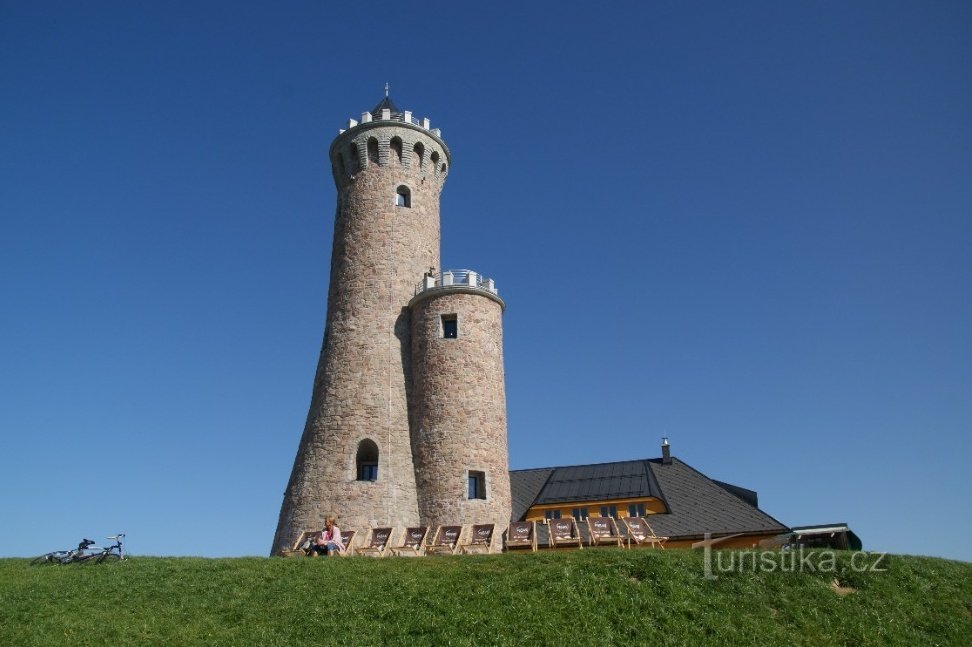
641, 533
445, 541
522, 533
347, 538
564, 532
480, 540
604, 531
378, 543
413, 542
298, 549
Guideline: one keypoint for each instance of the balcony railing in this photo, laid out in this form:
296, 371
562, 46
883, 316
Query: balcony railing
456, 278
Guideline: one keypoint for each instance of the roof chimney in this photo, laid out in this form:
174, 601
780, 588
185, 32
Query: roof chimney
666, 453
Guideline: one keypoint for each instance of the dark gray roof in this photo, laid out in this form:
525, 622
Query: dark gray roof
525, 485
696, 504
597, 482
749, 496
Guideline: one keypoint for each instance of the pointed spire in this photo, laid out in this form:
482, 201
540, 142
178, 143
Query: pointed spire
385, 103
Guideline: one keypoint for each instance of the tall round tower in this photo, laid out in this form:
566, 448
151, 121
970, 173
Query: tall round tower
355, 455
459, 403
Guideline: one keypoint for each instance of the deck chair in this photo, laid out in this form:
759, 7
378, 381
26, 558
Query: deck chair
641, 533
480, 540
604, 531
522, 533
298, 549
445, 541
347, 538
378, 543
564, 532
413, 542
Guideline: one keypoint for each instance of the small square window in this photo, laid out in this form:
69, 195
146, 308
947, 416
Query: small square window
477, 485
551, 514
579, 513
636, 509
450, 326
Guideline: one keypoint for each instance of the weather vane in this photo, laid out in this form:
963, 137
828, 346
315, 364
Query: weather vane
386, 89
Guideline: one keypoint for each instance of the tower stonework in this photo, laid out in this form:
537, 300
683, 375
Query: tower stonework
357, 455
459, 408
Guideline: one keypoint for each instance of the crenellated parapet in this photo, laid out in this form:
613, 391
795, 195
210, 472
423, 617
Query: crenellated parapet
386, 136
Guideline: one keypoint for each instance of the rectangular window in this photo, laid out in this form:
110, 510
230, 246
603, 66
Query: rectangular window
636, 509
551, 514
579, 513
609, 511
477, 485
450, 326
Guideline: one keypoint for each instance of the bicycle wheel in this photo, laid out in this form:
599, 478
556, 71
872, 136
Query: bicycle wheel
42, 560
110, 557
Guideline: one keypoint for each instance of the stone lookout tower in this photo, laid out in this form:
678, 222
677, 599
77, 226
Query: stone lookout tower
407, 421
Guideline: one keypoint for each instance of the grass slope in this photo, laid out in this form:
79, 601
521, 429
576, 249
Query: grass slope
599, 597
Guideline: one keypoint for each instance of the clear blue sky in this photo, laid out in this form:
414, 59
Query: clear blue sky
746, 226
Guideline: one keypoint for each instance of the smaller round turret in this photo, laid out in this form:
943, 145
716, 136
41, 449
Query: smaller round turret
458, 403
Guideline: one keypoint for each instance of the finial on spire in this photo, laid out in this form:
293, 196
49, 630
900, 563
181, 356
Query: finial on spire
386, 88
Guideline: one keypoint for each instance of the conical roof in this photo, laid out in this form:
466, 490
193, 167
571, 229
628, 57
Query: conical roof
385, 103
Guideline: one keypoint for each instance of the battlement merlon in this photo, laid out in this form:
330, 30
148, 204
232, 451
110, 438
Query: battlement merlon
389, 117
456, 281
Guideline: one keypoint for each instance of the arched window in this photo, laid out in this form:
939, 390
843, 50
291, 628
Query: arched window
366, 460
396, 149
372, 151
444, 168
418, 154
435, 159
355, 164
403, 197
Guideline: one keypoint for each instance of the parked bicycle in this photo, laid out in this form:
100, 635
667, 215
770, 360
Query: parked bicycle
78, 554
113, 553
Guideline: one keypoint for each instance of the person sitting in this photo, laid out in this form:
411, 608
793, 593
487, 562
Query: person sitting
328, 542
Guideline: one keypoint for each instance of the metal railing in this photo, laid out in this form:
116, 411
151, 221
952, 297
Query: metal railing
456, 278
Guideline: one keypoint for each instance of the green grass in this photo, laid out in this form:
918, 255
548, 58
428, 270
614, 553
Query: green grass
591, 597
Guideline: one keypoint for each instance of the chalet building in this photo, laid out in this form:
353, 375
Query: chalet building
678, 501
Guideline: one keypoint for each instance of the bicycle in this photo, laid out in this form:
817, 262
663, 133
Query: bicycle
113, 553
64, 556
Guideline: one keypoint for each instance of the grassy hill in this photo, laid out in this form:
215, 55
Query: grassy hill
591, 597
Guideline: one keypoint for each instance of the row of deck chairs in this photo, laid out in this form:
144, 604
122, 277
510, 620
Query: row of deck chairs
450, 539
416, 541
602, 531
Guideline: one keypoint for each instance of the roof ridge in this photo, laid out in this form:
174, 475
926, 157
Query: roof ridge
560, 467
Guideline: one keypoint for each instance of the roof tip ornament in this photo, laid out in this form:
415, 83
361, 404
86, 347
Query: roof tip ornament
387, 87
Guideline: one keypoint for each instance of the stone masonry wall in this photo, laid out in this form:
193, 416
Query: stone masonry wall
361, 390
459, 410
